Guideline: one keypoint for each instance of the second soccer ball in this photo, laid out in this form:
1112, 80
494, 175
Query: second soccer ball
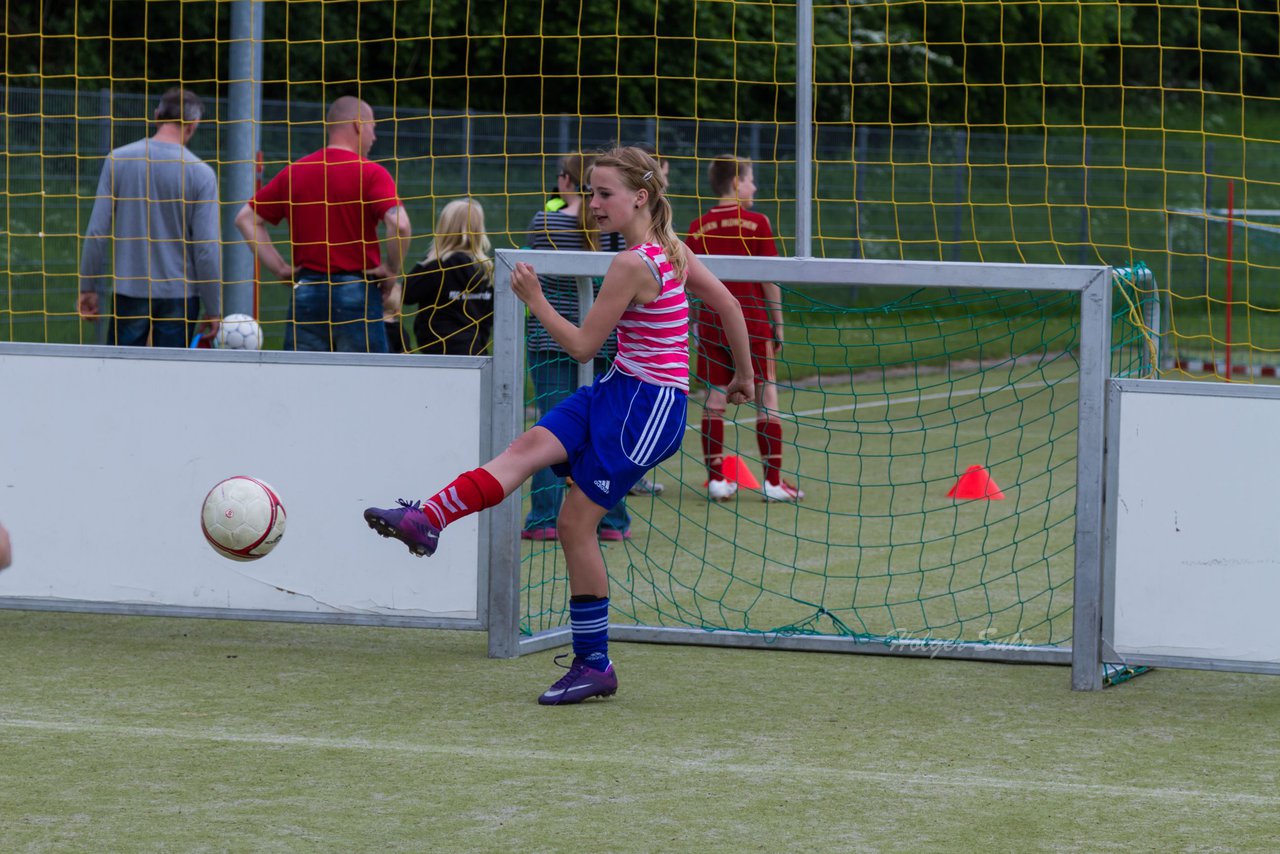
239, 332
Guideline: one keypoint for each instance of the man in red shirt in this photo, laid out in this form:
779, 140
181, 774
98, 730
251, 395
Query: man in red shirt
732, 228
334, 199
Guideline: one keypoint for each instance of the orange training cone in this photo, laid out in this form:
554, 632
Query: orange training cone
737, 471
976, 482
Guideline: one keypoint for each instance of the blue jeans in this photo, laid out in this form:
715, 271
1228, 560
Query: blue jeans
335, 313
555, 377
171, 322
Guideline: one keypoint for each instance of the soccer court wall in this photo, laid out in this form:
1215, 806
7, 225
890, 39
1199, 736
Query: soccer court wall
108, 453
1192, 571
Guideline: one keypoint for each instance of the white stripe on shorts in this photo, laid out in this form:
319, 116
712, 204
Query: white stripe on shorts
645, 447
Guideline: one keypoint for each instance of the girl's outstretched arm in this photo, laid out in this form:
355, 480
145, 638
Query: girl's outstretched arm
625, 279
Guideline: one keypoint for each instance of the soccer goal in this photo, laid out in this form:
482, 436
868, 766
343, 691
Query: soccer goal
995, 372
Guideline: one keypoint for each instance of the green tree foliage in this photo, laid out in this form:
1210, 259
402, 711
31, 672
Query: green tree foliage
130, 45
960, 63
974, 63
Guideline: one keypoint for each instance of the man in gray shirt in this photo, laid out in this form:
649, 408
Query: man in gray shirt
156, 217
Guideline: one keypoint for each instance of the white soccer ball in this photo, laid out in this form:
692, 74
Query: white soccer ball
238, 332
242, 518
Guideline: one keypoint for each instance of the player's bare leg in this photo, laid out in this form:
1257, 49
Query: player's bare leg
769, 439
532, 450
418, 524
578, 521
718, 487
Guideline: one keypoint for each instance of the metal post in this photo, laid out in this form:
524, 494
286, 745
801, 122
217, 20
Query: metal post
1204, 231
239, 151
507, 382
1095, 362
586, 298
1165, 297
103, 287
1084, 202
565, 144
860, 155
804, 129
1156, 322
962, 174
468, 145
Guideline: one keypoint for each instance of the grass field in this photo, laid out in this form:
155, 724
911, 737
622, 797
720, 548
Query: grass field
151, 734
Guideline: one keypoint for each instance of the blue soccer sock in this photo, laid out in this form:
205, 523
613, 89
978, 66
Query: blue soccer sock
589, 621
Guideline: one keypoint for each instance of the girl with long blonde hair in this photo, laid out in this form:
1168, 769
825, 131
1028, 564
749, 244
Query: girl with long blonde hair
453, 285
553, 372
608, 434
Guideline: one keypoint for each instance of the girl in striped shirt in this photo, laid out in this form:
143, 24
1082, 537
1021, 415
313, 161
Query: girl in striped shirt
553, 371
608, 434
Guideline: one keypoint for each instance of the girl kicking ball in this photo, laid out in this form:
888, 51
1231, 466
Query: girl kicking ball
606, 436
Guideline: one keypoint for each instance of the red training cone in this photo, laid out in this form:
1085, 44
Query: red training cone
976, 482
737, 471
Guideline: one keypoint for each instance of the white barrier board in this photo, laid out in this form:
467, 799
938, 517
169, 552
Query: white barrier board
1193, 570
106, 455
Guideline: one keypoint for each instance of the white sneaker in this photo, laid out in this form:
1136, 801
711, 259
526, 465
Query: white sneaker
782, 491
646, 487
721, 490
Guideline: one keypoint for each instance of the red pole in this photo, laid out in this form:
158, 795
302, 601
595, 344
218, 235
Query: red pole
1231, 198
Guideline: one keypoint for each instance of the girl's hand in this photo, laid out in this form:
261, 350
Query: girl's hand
741, 389
525, 284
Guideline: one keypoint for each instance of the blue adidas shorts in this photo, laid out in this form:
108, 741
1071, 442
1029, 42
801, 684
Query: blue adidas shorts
615, 430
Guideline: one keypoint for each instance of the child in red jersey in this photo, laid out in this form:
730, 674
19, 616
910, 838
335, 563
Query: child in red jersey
732, 228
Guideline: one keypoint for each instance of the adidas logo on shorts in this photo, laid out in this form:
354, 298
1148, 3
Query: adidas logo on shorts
603, 486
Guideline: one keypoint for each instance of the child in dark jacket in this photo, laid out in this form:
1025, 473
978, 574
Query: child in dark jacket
453, 286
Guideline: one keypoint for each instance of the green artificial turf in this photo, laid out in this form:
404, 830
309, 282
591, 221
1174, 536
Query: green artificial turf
158, 734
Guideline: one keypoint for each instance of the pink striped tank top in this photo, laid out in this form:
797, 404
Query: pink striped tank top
653, 339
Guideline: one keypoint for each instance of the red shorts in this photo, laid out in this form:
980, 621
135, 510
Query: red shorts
715, 361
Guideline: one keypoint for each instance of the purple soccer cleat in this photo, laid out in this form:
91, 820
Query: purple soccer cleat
408, 524
582, 681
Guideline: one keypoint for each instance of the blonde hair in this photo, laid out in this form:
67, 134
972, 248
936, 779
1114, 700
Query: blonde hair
575, 167
460, 228
640, 171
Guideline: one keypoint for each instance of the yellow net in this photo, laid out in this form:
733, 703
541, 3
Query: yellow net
1059, 132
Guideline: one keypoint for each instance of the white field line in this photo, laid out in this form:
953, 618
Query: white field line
747, 771
895, 401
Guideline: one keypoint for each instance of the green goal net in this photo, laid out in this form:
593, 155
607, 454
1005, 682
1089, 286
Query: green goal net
934, 433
